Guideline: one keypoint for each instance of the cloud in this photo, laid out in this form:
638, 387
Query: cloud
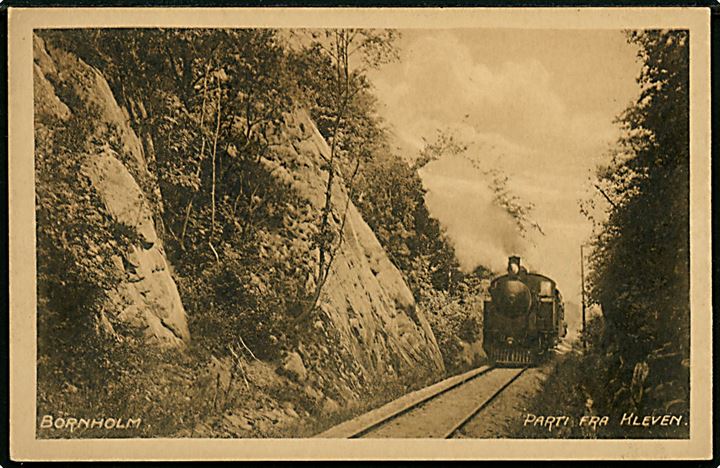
517, 118
439, 81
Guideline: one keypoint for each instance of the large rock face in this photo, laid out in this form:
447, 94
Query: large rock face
367, 329
148, 299
367, 312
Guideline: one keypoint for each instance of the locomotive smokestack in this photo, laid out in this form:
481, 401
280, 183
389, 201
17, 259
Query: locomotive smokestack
513, 265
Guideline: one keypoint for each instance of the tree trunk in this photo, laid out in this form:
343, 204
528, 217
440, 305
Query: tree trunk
214, 154
188, 210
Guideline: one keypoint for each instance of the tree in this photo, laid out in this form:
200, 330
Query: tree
343, 111
640, 264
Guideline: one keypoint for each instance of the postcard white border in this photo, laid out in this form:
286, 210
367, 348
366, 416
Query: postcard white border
24, 446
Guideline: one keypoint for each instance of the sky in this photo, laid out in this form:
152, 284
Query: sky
538, 105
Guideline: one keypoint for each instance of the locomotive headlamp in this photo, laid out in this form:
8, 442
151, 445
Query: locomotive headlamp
510, 340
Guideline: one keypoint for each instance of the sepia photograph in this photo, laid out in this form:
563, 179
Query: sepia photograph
425, 228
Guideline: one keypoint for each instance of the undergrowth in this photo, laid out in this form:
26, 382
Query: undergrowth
578, 386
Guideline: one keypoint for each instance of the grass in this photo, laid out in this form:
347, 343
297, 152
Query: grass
378, 394
176, 395
577, 387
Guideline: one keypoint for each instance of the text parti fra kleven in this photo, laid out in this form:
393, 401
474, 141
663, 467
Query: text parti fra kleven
627, 419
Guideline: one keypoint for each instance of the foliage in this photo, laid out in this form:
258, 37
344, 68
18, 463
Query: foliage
204, 101
519, 210
392, 200
341, 104
445, 144
577, 385
640, 264
456, 321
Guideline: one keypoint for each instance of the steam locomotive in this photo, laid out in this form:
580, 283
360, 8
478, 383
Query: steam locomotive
523, 317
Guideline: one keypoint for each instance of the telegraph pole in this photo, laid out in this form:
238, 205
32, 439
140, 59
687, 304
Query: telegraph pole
582, 285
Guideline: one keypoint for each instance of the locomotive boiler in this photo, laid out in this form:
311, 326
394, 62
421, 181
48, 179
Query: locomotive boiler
523, 317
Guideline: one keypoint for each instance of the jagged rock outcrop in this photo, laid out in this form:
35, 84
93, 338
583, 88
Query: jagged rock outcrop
367, 312
113, 160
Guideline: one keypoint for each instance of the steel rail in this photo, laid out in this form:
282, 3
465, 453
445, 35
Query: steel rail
482, 405
374, 425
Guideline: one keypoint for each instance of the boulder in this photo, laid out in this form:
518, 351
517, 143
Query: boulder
294, 367
330, 406
312, 393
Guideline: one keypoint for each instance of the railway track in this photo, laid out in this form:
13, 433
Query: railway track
438, 411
